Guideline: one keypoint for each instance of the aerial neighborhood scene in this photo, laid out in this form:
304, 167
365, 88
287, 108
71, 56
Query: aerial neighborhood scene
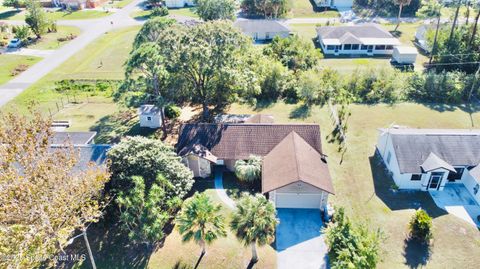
181, 134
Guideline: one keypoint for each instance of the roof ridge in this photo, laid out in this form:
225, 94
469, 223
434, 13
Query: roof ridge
295, 153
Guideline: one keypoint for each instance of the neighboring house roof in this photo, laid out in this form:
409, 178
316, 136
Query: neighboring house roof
74, 138
260, 26
293, 160
88, 154
239, 141
455, 147
148, 110
433, 162
365, 34
260, 118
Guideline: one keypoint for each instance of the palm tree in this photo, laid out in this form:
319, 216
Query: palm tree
249, 170
400, 4
200, 221
254, 222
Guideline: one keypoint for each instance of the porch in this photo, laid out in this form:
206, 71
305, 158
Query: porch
456, 200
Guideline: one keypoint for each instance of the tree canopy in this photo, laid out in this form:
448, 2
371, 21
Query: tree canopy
210, 10
351, 245
36, 18
44, 195
249, 170
140, 156
294, 52
254, 221
200, 220
266, 8
207, 63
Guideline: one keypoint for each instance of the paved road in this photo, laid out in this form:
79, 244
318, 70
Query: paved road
92, 29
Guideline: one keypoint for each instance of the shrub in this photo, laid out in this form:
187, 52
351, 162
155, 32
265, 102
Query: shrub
350, 245
249, 170
159, 11
21, 32
421, 226
172, 111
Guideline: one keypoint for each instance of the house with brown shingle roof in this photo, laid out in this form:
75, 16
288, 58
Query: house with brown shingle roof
294, 171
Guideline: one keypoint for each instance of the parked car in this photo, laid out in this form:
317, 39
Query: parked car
15, 43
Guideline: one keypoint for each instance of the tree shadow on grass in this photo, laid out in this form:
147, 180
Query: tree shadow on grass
112, 248
399, 199
110, 129
416, 253
8, 14
301, 112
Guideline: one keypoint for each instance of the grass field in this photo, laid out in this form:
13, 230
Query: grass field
305, 9
10, 62
50, 40
363, 188
102, 59
187, 12
12, 14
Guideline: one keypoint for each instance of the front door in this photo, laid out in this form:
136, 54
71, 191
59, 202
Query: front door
435, 181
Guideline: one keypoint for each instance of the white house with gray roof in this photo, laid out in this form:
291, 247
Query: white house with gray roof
262, 30
430, 159
364, 39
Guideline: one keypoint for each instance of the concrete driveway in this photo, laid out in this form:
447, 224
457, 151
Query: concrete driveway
456, 200
299, 241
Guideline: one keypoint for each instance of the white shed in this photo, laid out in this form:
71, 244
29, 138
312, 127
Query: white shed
404, 55
150, 116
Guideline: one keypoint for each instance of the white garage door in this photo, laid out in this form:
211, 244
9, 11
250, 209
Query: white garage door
293, 200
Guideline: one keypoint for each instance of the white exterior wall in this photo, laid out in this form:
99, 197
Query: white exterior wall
259, 36
403, 181
359, 51
384, 146
154, 121
230, 165
199, 166
299, 195
178, 3
469, 182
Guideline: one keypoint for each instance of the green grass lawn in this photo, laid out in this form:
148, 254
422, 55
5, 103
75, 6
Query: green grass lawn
304, 9
186, 11
102, 59
119, 4
10, 62
50, 40
141, 14
348, 65
12, 14
366, 197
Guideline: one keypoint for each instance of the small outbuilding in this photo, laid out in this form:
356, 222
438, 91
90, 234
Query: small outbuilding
404, 55
150, 116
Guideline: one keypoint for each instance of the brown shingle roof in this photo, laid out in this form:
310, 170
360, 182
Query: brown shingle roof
239, 141
293, 160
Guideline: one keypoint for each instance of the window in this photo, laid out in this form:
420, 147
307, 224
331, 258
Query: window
330, 47
416, 177
389, 47
347, 46
267, 35
452, 176
389, 157
364, 47
475, 189
149, 118
380, 47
